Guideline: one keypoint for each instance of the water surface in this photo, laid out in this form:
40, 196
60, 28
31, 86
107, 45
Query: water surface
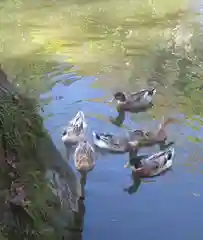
72, 55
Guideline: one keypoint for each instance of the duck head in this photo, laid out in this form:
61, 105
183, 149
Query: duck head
119, 96
64, 133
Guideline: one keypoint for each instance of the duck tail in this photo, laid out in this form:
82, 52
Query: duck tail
152, 91
165, 123
96, 135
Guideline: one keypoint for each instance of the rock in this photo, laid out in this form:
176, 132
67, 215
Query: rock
24, 162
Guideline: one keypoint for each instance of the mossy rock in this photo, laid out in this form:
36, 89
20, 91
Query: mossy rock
38, 212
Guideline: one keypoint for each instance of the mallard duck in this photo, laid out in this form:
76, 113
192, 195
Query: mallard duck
110, 142
76, 129
84, 157
152, 138
135, 101
155, 164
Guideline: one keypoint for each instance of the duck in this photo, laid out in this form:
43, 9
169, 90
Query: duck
112, 143
76, 129
84, 161
159, 137
136, 101
153, 165
84, 157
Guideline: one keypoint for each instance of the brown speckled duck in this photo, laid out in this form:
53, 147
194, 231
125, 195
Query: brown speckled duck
84, 157
76, 129
153, 138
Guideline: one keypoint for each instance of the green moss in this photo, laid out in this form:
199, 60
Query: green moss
21, 129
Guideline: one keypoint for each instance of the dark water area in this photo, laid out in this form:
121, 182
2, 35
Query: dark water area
73, 56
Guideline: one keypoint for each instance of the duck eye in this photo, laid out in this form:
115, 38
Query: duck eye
97, 136
169, 156
116, 96
119, 97
64, 133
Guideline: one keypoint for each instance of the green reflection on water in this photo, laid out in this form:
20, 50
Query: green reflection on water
133, 43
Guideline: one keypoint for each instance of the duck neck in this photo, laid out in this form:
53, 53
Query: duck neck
133, 153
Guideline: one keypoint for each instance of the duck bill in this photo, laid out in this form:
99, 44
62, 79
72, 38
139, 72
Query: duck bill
112, 100
127, 165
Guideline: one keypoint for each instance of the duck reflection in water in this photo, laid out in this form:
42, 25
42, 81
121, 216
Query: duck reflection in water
118, 121
78, 221
134, 187
69, 151
134, 160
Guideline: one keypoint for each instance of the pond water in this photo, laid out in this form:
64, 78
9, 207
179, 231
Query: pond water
72, 55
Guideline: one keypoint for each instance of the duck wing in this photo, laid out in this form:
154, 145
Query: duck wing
138, 93
84, 157
143, 94
107, 138
142, 136
78, 118
136, 135
114, 140
77, 124
158, 160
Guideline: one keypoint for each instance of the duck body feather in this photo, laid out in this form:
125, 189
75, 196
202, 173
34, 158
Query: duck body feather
147, 139
155, 164
110, 142
144, 96
152, 138
84, 157
76, 129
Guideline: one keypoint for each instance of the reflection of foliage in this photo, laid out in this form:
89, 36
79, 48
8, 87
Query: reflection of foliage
30, 74
94, 32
